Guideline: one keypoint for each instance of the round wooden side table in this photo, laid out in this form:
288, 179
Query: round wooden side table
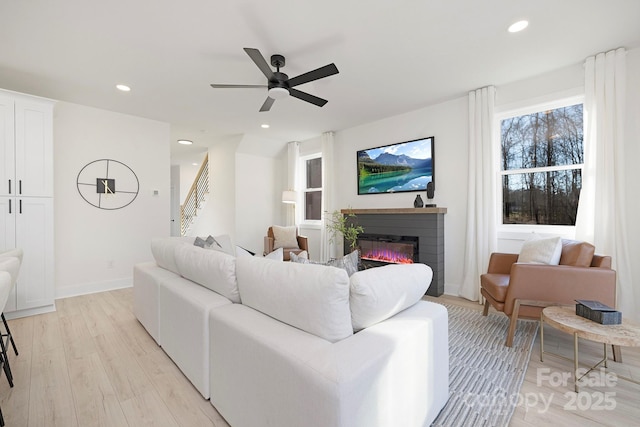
564, 318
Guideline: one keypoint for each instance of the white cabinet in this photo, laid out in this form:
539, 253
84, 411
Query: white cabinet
7, 145
26, 144
26, 197
27, 223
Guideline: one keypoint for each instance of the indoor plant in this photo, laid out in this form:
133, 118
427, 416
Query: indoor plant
344, 225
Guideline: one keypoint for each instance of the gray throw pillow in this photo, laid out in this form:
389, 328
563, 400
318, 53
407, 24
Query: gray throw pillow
199, 242
349, 262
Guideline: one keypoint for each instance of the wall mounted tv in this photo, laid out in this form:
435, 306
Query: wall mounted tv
396, 168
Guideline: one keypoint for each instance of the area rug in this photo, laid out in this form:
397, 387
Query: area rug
484, 376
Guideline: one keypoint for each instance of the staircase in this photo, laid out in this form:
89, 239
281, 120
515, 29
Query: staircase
195, 198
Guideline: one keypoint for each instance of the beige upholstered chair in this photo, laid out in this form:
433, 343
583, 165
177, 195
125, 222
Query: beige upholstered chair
269, 244
522, 290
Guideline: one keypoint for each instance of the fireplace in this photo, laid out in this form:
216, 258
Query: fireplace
381, 249
424, 226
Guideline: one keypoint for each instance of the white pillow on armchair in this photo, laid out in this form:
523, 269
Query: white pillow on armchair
284, 237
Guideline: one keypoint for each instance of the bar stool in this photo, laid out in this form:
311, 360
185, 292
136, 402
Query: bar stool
15, 253
5, 288
10, 266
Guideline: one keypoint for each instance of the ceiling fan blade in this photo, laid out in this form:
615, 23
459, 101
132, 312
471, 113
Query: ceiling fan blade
307, 97
267, 104
257, 57
218, 86
318, 73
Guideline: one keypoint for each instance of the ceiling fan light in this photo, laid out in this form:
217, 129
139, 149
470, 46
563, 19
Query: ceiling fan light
278, 93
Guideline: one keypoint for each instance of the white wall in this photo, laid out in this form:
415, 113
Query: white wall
258, 199
96, 249
244, 193
447, 122
219, 213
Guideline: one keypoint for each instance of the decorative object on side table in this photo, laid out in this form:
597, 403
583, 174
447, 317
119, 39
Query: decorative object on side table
417, 203
598, 312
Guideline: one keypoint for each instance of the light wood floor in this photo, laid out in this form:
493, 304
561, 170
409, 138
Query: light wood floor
546, 401
92, 364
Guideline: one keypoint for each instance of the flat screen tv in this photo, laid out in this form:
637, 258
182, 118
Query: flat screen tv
396, 168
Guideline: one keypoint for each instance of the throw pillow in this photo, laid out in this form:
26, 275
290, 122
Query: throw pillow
199, 242
284, 237
220, 243
379, 293
541, 251
276, 255
312, 298
349, 262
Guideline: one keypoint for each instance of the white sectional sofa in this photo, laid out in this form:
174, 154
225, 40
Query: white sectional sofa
283, 344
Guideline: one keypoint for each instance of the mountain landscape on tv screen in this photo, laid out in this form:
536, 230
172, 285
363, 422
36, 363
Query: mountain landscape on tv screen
389, 173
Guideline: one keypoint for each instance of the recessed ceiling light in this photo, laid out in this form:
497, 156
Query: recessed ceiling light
264, 126
123, 88
518, 26
194, 164
185, 142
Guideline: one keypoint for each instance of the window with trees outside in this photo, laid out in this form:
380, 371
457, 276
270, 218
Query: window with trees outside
541, 169
313, 188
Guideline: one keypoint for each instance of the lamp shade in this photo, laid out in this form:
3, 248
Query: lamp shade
289, 196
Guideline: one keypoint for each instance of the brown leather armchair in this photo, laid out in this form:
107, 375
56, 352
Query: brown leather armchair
269, 239
523, 290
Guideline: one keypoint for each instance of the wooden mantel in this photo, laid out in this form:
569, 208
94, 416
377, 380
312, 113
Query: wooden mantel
395, 211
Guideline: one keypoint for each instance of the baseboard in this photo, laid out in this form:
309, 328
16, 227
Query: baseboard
92, 288
452, 289
30, 312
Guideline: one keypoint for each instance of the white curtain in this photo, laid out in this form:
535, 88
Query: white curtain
601, 215
293, 155
481, 238
327, 250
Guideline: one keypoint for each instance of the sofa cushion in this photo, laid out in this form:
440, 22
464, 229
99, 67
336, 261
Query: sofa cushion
313, 298
163, 250
379, 293
212, 269
284, 237
576, 253
541, 251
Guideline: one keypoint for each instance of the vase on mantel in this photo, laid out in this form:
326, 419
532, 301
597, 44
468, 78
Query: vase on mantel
418, 203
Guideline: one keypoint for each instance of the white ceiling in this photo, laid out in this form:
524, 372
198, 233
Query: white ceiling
393, 56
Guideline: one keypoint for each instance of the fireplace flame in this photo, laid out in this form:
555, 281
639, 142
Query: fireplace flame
382, 255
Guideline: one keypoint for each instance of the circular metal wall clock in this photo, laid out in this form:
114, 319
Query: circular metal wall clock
108, 184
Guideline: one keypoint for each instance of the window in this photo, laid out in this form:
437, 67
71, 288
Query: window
312, 187
541, 165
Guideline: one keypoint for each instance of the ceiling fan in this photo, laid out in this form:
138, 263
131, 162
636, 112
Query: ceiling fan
279, 84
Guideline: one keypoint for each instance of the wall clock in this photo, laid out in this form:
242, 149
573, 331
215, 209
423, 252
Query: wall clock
108, 184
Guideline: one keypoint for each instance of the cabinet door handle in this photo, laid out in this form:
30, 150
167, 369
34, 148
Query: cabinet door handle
9, 186
20, 207
20, 187
9, 205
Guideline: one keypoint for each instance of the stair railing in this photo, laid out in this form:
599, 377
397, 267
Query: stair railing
196, 196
